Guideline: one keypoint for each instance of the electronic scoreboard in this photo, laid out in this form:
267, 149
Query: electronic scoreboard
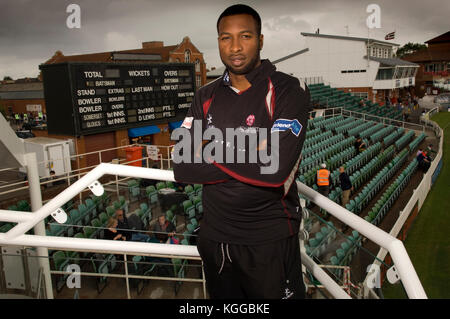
88, 98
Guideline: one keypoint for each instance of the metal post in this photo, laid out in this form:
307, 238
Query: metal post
117, 186
39, 228
126, 276
168, 157
204, 281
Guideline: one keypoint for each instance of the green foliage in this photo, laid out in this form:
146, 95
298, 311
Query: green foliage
409, 48
427, 241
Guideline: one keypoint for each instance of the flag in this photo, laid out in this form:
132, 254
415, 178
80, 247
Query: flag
390, 36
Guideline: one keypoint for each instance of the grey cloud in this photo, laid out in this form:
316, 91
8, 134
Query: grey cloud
34, 30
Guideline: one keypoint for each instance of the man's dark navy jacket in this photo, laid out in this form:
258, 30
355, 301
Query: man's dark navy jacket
241, 205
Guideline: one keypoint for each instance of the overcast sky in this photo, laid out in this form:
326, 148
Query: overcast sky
32, 30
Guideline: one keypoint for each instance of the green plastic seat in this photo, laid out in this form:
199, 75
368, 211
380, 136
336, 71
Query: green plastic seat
160, 185
60, 260
345, 246
103, 218
190, 228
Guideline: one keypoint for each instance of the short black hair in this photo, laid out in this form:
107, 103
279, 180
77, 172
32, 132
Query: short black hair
241, 9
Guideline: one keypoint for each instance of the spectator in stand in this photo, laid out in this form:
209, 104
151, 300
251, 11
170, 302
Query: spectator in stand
346, 185
125, 228
111, 231
387, 102
416, 104
50, 179
163, 229
360, 146
408, 112
123, 223
323, 180
418, 152
394, 100
430, 150
424, 161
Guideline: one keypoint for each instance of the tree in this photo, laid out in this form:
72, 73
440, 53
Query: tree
409, 48
7, 78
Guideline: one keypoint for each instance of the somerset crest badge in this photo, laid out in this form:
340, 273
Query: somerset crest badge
250, 120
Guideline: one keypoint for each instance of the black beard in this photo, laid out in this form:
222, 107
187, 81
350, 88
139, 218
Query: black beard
247, 69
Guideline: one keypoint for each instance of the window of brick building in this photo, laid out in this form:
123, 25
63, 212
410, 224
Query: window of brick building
197, 65
187, 56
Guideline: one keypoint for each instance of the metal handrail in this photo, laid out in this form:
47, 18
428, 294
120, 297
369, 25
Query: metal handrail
26, 221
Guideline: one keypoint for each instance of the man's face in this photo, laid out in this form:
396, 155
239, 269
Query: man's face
119, 215
162, 219
239, 43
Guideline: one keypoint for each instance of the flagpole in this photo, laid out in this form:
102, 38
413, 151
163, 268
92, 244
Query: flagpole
368, 49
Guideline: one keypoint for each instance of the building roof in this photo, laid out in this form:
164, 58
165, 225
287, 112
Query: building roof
22, 95
219, 71
290, 56
341, 37
158, 54
443, 38
392, 61
32, 86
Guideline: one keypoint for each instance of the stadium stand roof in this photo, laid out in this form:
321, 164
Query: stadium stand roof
340, 37
22, 95
392, 61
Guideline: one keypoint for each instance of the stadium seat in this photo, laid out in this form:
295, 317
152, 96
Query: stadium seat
160, 185
190, 228
103, 219
89, 232
170, 217
99, 232
152, 194
110, 211
60, 262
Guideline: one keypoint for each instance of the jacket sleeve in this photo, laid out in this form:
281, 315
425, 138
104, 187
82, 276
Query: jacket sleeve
284, 142
188, 163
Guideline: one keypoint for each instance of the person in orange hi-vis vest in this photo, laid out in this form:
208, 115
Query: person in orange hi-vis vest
323, 180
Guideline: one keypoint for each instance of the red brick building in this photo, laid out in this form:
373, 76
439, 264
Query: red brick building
434, 61
151, 52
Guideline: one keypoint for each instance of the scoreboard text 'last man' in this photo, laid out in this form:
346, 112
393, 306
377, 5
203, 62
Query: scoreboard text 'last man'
88, 98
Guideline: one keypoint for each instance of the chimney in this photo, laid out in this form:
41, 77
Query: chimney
152, 44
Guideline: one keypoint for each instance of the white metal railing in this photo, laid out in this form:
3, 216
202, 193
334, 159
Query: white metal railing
385, 120
26, 221
334, 111
21, 184
395, 247
420, 193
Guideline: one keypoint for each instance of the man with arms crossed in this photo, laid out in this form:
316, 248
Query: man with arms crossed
249, 232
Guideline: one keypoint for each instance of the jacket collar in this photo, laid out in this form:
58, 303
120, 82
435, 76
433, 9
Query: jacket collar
264, 70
